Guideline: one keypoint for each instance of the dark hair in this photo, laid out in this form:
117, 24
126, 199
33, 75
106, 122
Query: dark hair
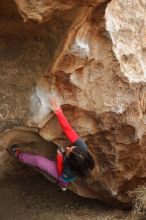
81, 161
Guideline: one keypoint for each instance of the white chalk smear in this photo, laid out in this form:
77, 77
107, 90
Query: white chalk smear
82, 44
39, 104
80, 47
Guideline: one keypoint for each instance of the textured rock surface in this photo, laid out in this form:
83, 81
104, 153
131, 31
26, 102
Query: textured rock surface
98, 74
128, 33
44, 10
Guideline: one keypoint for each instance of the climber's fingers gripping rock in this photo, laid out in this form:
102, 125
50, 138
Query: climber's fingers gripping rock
54, 103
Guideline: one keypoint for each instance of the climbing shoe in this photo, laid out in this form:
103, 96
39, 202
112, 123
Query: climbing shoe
13, 149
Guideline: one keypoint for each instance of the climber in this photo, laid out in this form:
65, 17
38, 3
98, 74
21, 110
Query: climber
75, 161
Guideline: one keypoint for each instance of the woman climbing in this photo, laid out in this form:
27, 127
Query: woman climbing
75, 161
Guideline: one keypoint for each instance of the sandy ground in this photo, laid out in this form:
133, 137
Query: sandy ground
26, 198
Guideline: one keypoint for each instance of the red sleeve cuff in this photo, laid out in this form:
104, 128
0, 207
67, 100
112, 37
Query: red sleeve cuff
58, 111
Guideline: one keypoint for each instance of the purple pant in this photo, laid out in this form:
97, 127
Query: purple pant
48, 166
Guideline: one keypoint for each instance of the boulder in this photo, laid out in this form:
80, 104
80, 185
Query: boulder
92, 55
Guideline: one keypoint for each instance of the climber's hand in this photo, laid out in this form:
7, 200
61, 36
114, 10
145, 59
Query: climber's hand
54, 103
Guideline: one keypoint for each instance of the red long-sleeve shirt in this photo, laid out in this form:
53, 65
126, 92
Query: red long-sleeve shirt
70, 133
59, 159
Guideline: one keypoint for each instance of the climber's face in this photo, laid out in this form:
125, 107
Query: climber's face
69, 150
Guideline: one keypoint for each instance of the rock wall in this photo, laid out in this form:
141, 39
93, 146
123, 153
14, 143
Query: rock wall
90, 53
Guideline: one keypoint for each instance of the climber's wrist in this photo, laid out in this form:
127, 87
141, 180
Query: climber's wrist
57, 110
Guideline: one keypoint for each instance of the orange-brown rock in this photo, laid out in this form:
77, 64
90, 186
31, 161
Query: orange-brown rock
90, 53
41, 11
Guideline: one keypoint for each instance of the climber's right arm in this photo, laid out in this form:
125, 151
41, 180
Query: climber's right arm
70, 133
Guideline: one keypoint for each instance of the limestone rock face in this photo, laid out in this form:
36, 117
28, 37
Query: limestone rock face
44, 10
126, 23
90, 53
